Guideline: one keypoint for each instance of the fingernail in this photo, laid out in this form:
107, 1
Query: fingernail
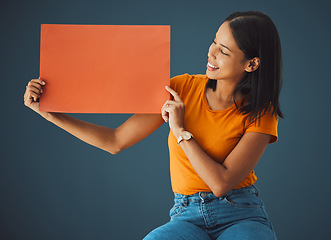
43, 82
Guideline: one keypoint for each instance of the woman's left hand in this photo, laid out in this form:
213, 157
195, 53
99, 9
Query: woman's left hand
173, 112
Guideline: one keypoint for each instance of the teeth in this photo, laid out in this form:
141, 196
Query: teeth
211, 65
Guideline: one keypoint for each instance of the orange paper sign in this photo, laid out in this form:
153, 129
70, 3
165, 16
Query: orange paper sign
104, 68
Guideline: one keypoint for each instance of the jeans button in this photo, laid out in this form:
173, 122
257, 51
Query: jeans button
204, 194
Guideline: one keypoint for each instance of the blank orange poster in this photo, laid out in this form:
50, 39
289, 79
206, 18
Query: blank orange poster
104, 68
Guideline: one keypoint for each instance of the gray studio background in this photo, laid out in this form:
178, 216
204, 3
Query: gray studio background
54, 186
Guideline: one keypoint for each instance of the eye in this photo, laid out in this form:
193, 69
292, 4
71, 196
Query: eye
221, 50
224, 52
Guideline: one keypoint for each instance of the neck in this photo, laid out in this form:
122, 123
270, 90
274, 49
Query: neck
224, 91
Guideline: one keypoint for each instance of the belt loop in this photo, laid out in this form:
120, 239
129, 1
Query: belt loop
257, 190
185, 201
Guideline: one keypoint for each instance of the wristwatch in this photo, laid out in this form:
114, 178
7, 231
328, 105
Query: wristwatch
184, 136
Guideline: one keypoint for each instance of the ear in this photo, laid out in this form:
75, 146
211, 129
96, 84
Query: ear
252, 64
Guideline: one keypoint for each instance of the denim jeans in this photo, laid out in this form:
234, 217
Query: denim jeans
240, 214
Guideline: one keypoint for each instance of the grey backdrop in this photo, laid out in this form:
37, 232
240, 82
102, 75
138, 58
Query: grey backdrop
54, 186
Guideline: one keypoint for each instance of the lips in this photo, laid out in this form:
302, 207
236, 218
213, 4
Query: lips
211, 67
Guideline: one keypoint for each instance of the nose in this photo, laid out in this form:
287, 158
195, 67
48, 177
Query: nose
211, 55
211, 52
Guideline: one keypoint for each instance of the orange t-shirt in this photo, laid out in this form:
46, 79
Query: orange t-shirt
217, 133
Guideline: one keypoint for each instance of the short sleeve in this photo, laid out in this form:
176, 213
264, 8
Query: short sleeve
180, 83
268, 125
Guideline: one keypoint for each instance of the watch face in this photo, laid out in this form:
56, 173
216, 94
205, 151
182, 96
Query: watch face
186, 135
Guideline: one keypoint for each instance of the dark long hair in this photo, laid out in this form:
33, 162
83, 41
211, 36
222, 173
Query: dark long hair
257, 36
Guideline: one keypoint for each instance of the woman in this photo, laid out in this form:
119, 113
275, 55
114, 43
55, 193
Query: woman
220, 125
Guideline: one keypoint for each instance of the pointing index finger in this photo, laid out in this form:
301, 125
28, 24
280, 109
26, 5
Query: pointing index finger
173, 93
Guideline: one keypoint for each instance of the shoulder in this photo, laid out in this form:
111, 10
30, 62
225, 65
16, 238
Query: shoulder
179, 82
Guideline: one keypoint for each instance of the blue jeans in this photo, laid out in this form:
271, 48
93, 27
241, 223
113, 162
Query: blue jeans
240, 214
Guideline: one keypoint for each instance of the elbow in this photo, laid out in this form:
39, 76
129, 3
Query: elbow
218, 193
113, 146
221, 189
113, 152
114, 149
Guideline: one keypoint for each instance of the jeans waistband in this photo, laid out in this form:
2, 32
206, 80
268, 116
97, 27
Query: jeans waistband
210, 195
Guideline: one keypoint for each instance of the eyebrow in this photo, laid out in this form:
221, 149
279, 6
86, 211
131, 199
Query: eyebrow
224, 46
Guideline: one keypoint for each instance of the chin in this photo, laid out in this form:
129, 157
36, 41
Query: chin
209, 75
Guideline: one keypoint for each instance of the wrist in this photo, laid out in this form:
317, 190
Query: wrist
178, 132
185, 136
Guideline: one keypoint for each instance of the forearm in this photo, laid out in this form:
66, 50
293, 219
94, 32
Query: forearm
210, 171
98, 136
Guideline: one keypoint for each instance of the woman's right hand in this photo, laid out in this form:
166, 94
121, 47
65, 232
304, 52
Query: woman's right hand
32, 94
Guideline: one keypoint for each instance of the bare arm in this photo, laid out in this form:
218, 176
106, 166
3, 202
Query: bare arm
136, 128
133, 130
221, 178
111, 140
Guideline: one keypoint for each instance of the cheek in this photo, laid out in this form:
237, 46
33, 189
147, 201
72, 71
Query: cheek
229, 67
221, 62
228, 63
238, 66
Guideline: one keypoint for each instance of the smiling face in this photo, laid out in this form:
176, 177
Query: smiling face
226, 59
